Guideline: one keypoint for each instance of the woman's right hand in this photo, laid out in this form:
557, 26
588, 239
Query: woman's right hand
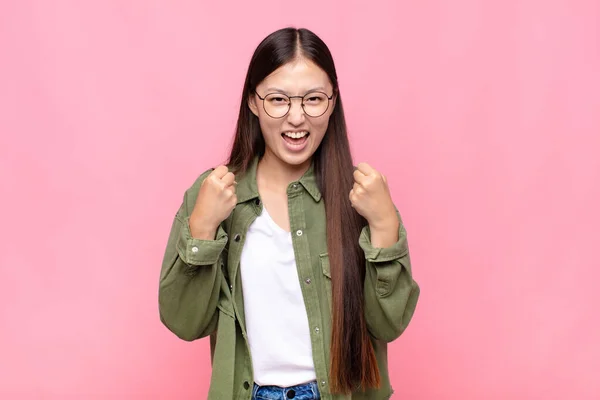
215, 202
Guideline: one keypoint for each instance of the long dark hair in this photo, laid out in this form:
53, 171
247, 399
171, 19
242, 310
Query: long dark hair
353, 363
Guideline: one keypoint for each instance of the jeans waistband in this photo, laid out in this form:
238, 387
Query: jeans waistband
305, 391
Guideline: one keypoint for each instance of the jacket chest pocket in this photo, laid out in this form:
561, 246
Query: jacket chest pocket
324, 258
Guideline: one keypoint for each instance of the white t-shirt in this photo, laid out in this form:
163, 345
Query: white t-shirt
276, 320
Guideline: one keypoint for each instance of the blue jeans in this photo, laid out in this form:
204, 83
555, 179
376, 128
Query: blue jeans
306, 391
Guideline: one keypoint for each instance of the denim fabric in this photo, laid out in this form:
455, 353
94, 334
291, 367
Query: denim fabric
307, 391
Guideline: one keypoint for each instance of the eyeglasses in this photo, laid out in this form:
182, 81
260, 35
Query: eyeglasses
277, 105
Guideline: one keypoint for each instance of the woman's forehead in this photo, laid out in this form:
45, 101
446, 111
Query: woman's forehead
297, 76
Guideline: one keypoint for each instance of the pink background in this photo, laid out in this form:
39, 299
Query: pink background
485, 116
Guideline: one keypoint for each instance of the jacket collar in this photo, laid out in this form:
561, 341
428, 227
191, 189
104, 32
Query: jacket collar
247, 189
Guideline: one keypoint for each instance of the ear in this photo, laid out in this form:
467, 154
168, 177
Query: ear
252, 104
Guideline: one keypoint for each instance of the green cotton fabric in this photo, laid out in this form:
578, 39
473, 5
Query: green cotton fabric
200, 292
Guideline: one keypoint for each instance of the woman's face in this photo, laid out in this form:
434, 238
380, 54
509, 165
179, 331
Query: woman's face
295, 137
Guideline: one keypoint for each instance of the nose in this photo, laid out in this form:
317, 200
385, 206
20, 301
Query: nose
296, 114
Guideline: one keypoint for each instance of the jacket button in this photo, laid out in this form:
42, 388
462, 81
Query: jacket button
236, 237
246, 385
257, 202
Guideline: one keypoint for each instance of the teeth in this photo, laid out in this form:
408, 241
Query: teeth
295, 135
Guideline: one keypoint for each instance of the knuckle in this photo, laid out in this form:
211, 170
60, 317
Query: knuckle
220, 170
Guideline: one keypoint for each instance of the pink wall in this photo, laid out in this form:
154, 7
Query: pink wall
485, 115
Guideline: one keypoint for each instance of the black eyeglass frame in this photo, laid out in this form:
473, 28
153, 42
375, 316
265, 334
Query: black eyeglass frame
329, 98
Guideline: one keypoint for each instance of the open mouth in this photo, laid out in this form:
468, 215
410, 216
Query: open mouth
295, 139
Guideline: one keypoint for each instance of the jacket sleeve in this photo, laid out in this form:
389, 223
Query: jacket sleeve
391, 293
191, 273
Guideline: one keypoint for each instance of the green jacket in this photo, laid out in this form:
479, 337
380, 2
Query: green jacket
200, 291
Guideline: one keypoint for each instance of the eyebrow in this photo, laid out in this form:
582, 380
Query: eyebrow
271, 89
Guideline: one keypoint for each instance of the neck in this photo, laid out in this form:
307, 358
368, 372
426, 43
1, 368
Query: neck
275, 173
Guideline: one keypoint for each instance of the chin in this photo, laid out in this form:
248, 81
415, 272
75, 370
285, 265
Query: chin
296, 159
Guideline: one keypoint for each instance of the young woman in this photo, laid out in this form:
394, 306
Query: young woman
294, 261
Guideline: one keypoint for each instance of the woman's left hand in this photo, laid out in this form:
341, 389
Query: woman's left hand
371, 198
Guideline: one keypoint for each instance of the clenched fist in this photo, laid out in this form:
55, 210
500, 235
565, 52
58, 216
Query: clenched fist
215, 202
370, 197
